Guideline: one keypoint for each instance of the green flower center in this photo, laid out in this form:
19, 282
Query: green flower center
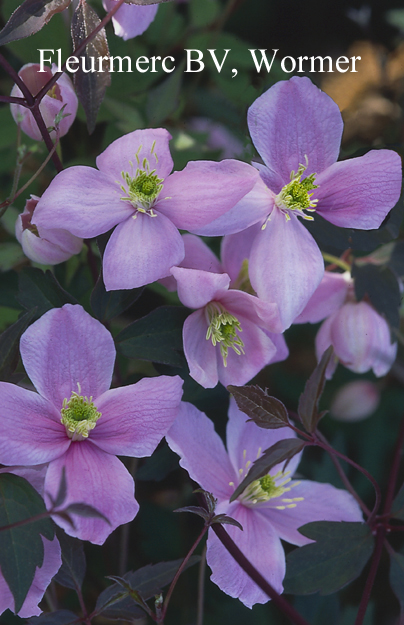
144, 187
296, 196
79, 416
222, 330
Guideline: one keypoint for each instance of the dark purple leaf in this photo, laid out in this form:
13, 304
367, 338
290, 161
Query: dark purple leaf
308, 401
29, 18
266, 411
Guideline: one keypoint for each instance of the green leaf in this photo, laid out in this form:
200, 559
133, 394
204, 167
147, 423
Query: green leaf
203, 12
21, 548
9, 344
397, 577
29, 18
147, 581
163, 100
109, 304
91, 85
60, 617
397, 509
41, 290
309, 399
73, 569
266, 411
381, 286
336, 558
156, 337
281, 451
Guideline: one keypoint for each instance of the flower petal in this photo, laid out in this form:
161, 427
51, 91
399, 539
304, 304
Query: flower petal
285, 266
31, 429
198, 255
323, 341
99, 480
199, 351
359, 192
140, 251
260, 544
321, 502
326, 299
203, 191
128, 152
197, 288
246, 441
236, 248
82, 200
136, 417
131, 20
290, 121
263, 314
66, 347
192, 436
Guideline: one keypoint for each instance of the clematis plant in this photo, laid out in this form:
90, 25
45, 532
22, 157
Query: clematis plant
296, 128
76, 423
270, 509
134, 190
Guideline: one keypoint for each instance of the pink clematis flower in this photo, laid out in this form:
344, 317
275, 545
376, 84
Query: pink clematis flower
227, 338
51, 563
53, 247
131, 20
61, 95
360, 336
76, 423
270, 509
134, 190
296, 128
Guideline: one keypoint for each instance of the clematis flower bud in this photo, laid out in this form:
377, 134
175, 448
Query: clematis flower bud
61, 95
355, 401
53, 247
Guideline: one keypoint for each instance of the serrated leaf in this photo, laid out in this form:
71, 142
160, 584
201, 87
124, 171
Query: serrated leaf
109, 304
226, 520
21, 548
41, 290
397, 508
397, 577
9, 345
73, 569
266, 411
199, 511
309, 399
280, 452
156, 337
381, 286
147, 581
29, 18
336, 558
90, 86
60, 617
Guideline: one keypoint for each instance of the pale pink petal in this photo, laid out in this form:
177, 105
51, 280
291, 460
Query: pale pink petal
203, 191
131, 20
202, 453
246, 441
198, 255
323, 341
199, 351
198, 288
82, 200
359, 192
64, 348
264, 314
31, 429
53, 247
326, 299
99, 480
321, 502
252, 208
136, 417
282, 351
235, 249
258, 352
260, 544
150, 144
292, 120
140, 251
286, 265
43, 577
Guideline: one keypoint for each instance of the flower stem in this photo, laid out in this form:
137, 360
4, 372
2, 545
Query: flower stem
201, 587
339, 262
380, 533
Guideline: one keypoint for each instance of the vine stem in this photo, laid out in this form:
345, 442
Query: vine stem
398, 451
248, 568
377, 554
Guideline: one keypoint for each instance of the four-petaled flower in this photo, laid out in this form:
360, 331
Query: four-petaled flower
270, 509
75, 422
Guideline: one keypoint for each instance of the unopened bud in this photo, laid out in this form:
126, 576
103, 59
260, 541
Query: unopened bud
355, 401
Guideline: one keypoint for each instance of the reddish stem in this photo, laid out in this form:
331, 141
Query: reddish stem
377, 554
